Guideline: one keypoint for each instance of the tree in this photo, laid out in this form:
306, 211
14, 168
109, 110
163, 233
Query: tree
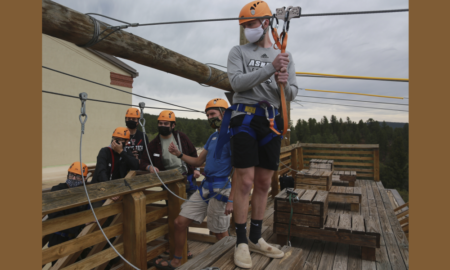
293, 135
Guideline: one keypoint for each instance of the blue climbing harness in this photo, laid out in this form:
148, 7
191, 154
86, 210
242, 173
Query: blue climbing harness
260, 109
211, 180
192, 186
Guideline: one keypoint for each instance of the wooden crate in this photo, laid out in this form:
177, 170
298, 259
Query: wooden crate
322, 164
314, 179
310, 209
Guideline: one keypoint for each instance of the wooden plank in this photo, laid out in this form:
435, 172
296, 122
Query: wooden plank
358, 224
193, 236
393, 252
313, 260
345, 223
342, 152
402, 214
300, 208
308, 196
401, 207
102, 266
354, 258
61, 223
382, 259
174, 207
156, 197
357, 190
78, 244
327, 260
339, 157
134, 230
210, 255
311, 187
349, 190
291, 260
294, 162
376, 164
97, 259
155, 215
340, 146
332, 221
72, 197
342, 257
300, 158
328, 235
299, 219
344, 198
350, 164
321, 197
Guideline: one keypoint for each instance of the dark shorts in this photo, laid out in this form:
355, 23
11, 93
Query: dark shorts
245, 150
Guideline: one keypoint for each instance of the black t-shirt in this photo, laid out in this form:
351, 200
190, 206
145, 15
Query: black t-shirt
137, 143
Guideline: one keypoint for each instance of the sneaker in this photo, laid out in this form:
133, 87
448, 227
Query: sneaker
265, 249
242, 256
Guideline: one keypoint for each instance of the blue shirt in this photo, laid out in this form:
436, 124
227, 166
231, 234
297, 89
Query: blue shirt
220, 167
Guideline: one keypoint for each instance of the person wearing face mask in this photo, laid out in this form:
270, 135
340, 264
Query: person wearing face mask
114, 161
74, 179
217, 172
254, 71
161, 158
136, 143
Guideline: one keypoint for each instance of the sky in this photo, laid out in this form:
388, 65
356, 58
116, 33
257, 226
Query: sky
374, 45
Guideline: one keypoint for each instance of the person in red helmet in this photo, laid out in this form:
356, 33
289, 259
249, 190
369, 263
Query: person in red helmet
255, 70
74, 179
136, 143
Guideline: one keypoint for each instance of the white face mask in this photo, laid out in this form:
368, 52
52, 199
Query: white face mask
254, 34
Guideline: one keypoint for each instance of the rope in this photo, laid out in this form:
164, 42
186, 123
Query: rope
318, 75
357, 100
83, 113
350, 93
110, 102
356, 106
120, 90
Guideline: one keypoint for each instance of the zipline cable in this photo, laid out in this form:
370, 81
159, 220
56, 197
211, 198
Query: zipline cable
355, 106
349, 93
356, 100
261, 17
111, 102
321, 75
121, 90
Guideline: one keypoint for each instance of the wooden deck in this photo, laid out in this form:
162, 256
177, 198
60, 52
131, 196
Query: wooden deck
316, 254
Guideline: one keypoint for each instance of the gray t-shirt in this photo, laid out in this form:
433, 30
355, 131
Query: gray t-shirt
170, 161
252, 78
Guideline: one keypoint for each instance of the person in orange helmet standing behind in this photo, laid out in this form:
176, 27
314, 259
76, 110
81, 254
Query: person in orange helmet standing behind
114, 161
254, 71
136, 143
162, 160
74, 179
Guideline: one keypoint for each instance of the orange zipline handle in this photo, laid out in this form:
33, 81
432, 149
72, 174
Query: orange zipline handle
282, 96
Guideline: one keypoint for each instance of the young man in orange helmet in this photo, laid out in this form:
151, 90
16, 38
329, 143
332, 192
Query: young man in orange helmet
214, 186
162, 160
114, 161
136, 143
254, 71
74, 179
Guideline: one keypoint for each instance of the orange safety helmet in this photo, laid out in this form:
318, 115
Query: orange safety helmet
254, 9
216, 103
133, 113
122, 132
76, 169
167, 116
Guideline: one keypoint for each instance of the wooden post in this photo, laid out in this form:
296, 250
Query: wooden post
72, 26
294, 162
134, 230
300, 158
376, 164
174, 207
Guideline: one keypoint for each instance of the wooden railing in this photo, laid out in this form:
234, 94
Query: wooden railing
137, 222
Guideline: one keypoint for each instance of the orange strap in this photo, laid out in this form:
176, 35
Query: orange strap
282, 96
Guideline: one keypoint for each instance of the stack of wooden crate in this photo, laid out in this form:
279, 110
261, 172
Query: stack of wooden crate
314, 179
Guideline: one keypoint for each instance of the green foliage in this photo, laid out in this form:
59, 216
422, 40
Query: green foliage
294, 138
393, 143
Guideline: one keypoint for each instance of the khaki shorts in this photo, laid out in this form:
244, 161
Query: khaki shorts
218, 222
